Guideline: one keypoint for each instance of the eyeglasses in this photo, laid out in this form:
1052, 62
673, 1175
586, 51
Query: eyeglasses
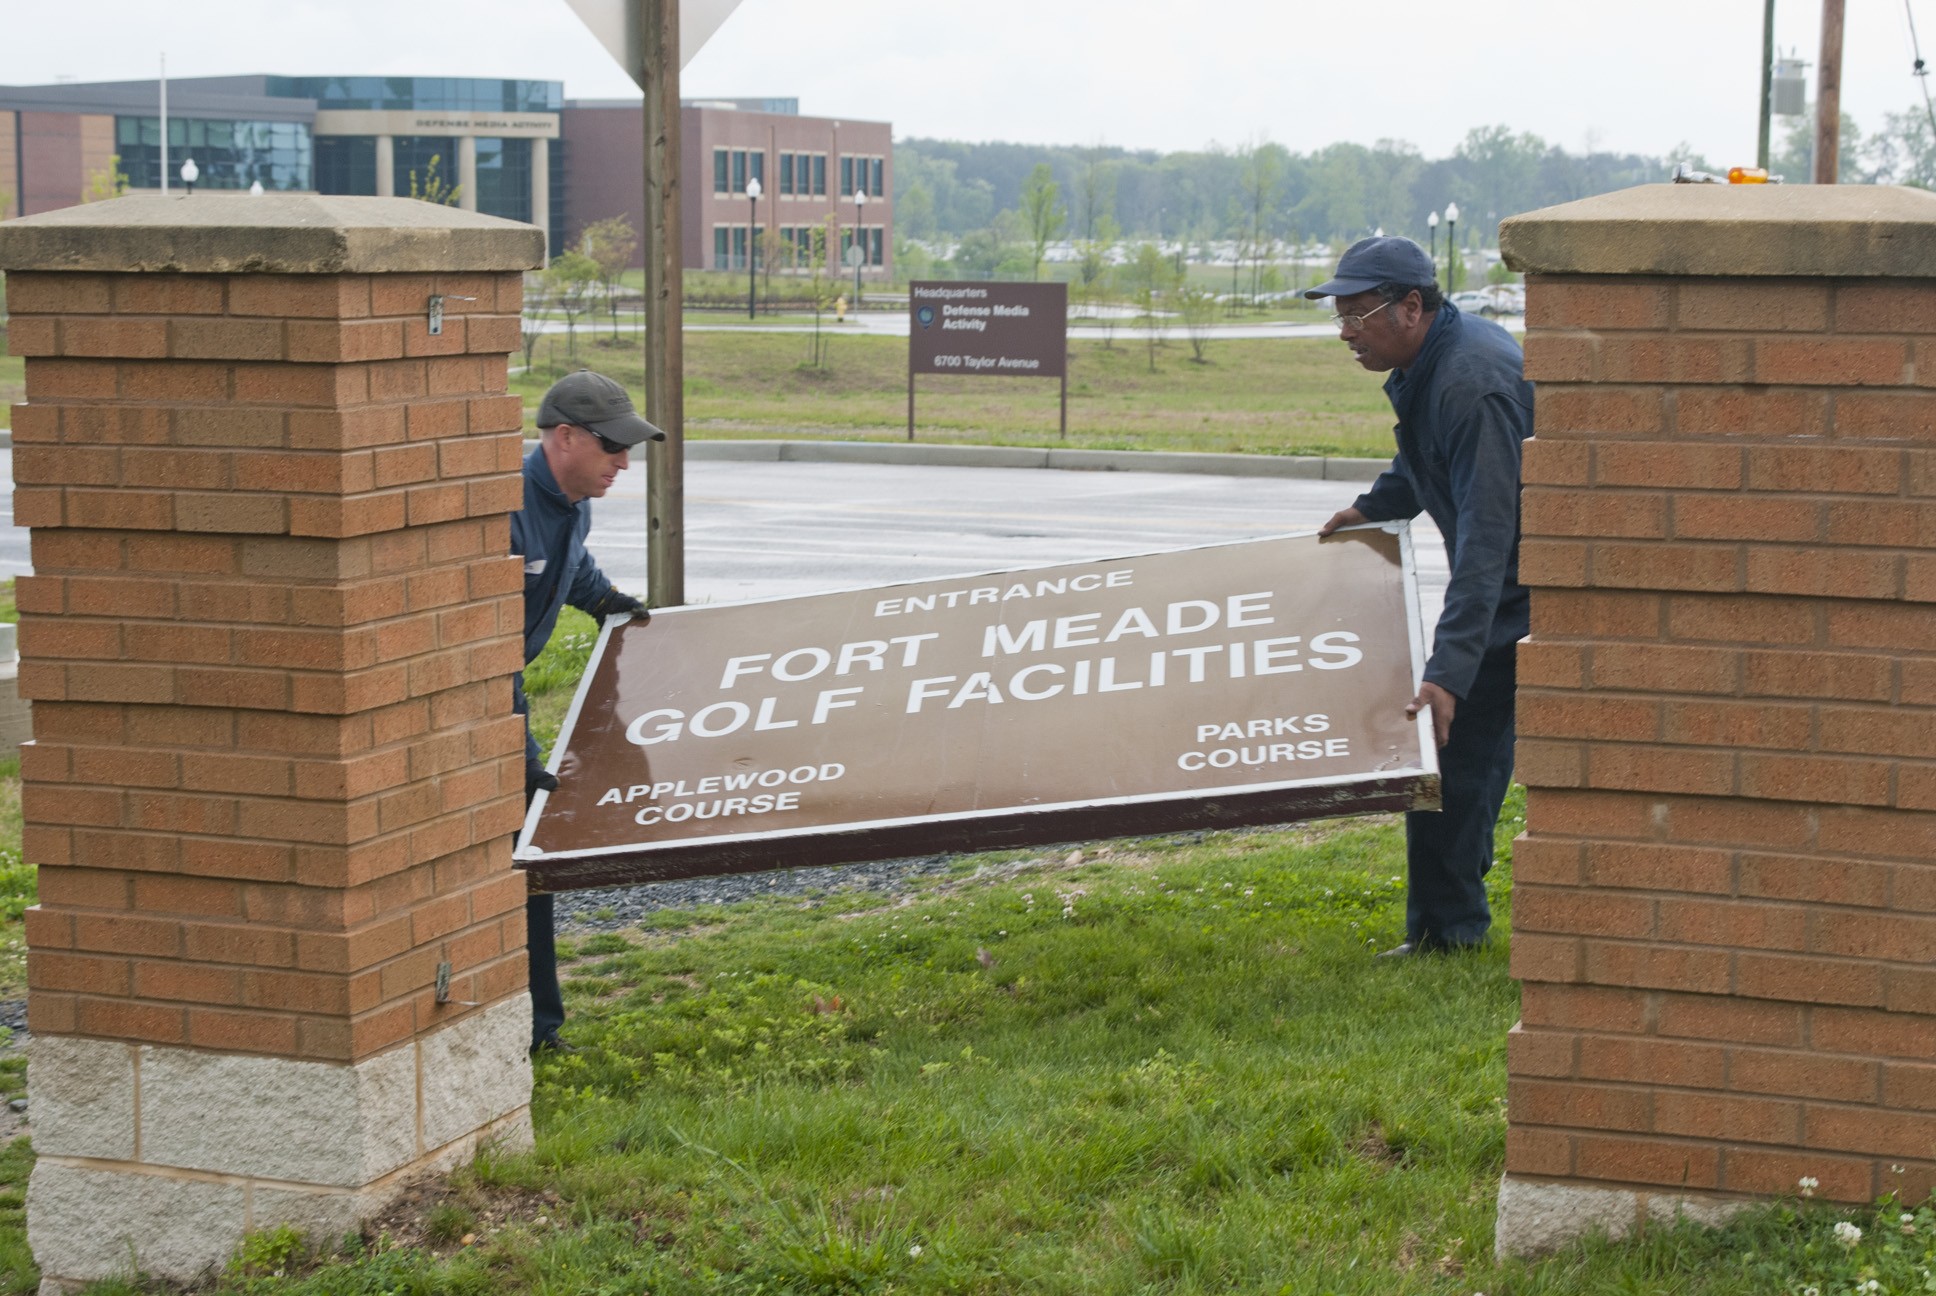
1356, 322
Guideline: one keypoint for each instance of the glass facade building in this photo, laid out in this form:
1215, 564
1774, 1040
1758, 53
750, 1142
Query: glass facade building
445, 94
230, 154
346, 164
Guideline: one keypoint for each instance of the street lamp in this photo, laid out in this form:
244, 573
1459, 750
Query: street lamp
860, 232
752, 241
190, 173
1432, 224
1451, 242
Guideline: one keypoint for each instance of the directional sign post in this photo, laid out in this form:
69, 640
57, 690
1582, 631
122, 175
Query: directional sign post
988, 330
1236, 684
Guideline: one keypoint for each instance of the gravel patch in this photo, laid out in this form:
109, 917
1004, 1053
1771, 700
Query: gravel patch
609, 908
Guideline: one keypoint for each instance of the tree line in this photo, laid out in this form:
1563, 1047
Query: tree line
950, 190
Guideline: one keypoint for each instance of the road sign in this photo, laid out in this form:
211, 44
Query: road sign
1234, 684
611, 21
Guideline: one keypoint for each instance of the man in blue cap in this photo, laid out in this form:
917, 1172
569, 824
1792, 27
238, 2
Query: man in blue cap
1458, 387
587, 429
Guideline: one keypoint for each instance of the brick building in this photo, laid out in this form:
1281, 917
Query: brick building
811, 170
515, 148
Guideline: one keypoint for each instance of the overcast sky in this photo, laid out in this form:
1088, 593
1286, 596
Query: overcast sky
1630, 75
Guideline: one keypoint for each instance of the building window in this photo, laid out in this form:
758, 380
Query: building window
846, 177
504, 178
346, 164
230, 154
874, 248
417, 158
880, 174
450, 94
802, 175
721, 247
733, 167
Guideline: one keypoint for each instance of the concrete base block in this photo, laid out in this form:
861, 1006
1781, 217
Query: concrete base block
159, 1160
1538, 1217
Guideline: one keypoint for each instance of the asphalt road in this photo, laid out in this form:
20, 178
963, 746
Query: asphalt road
762, 530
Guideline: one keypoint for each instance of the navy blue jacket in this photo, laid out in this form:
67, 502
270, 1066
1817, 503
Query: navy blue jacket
1463, 408
549, 534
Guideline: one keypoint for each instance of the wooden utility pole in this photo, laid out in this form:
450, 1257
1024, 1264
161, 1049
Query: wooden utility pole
656, 34
1828, 96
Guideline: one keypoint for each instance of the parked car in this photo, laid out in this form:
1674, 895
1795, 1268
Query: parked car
1492, 300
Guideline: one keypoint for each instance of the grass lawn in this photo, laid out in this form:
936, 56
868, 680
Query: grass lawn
1293, 396
13, 381
1164, 1066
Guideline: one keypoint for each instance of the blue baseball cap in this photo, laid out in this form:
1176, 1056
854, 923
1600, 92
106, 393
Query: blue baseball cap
1373, 261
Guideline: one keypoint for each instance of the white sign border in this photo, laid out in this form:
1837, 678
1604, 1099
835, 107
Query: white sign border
1414, 623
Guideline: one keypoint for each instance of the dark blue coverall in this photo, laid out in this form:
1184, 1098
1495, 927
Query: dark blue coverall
1464, 406
549, 534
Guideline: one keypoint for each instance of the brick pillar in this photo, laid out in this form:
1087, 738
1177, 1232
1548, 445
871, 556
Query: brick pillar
269, 640
1725, 899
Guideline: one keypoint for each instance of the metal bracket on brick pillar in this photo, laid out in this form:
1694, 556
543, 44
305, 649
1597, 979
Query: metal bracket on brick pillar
1722, 903
269, 639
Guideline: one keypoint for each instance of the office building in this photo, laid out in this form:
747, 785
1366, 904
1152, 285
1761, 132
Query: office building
510, 148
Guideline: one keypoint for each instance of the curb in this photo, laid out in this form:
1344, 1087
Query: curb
1308, 468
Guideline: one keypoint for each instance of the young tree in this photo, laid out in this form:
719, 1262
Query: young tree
611, 244
1151, 276
1263, 171
537, 296
824, 236
1042, 215
1096, 191
434, 189
108, 182
1198, 306
568, 282
774, 251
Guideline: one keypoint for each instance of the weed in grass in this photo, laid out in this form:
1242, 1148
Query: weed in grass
448, 1223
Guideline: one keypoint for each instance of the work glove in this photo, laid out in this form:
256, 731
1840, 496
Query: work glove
617, 602
537, 779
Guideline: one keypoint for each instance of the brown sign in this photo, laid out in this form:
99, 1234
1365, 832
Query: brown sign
1235, 684
1000, 330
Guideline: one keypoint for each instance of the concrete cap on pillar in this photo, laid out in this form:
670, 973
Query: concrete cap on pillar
1825, 231
272, 234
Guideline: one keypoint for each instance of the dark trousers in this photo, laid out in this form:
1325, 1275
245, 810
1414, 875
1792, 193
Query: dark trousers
1448, 852
540, 940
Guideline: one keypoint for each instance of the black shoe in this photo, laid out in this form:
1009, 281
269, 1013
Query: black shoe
551, 1044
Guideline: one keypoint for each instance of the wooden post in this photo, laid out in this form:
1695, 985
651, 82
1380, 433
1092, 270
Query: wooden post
657, 32
1828, 96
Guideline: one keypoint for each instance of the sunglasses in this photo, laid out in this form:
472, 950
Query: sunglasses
606, 444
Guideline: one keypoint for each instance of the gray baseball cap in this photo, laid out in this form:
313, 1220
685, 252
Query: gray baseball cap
1373, 261
596, 403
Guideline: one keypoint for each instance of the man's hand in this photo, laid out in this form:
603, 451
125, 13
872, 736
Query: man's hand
537, 779
1443, 704
617, 602
1342, 518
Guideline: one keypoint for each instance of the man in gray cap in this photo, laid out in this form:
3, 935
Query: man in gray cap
1458, 387
587, 429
